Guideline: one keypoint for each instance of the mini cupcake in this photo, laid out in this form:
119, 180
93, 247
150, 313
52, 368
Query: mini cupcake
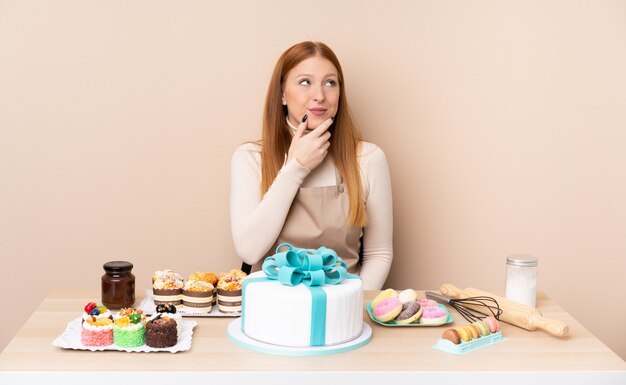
163, 275
167, 287
209, 277
97, 332
129, 332
198, 295
99, 312
229, 291
161, 332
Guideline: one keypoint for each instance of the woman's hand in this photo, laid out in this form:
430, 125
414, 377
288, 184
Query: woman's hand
310, 149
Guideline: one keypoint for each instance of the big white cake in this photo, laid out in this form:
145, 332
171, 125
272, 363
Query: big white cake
282, 315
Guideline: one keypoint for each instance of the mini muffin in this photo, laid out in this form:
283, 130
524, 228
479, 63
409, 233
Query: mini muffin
167, 287
164, 275
209, 277
198, 295
229, 291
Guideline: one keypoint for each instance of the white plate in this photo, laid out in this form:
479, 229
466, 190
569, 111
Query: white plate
70, 339
148, 307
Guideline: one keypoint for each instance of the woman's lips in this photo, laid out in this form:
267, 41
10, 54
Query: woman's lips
318, 111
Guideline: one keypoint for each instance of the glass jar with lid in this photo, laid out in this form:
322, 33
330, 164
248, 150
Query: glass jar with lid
521, 279
118, 285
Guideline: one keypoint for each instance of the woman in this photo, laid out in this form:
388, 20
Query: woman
311, 181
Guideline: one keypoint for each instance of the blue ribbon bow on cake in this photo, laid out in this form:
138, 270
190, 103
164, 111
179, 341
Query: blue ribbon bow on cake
311, 267
308, 266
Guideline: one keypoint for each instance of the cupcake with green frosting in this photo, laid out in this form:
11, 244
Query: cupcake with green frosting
129, 332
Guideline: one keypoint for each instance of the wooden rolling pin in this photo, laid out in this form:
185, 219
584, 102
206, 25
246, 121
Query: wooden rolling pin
513, 313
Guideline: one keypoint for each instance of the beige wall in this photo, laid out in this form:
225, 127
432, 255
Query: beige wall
503, 123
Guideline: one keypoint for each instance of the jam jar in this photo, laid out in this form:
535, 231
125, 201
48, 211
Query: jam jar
118, 285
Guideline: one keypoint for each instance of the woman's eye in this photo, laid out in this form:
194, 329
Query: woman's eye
305, 82
330, 83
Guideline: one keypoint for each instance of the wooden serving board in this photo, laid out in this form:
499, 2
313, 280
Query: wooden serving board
512, 313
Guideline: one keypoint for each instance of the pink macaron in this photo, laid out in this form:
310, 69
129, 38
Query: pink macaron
387, 309
492, 324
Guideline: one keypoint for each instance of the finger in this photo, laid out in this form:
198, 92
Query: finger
301, 127
319, 130
326, 146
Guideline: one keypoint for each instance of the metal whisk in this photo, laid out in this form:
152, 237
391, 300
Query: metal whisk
471, 308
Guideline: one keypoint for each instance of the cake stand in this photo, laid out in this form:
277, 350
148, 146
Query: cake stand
239, 338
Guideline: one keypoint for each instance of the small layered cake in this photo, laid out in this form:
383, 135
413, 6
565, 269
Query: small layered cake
209, 277
229, 291
161, 331
167, 287
198, 295
97, 332
171, 311
129, 332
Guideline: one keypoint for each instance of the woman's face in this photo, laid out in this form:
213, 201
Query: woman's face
311, 88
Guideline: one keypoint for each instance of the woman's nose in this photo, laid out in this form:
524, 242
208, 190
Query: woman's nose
318, 95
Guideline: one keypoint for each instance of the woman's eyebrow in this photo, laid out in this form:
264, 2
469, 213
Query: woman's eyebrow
309, 75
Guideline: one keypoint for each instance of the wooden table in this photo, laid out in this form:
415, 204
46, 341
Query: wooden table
394, 355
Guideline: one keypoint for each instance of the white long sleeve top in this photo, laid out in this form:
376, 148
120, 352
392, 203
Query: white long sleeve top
257, 221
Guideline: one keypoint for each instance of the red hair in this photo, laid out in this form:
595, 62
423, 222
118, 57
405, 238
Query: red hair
344, 143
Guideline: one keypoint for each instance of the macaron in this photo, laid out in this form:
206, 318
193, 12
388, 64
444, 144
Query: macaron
383, 295
407, 295
410, 313
433, 315
464, 334
387, 309
482, 327
473, 331
492, 324
451, 335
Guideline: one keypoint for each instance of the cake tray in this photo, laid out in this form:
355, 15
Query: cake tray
148, 307
466, 347
418, 323
70, 339
240, 339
